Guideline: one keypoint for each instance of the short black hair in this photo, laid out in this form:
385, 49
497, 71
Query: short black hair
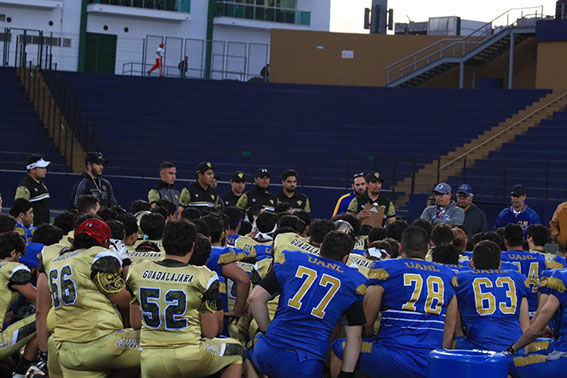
245, 228
7, 223
445, 254
216, 226
364, 230
168, 205
494, 237
414, 242
266, 221
166, 165
119, 209
116, 229
80, 218
47, 234
20, 205
376, 233
289, 173
235, 216
107, 214
319, 228
202, 227
10, 241
395, 229
65, 221
86, 203
160, 210
292, 221
539, 233
336, 245
225, 220
84, 241
441, 234
190, 213
201, 252
486, 255
153, 225
514, 235
394, 247
179, 238
282, 207
304, 216
130, 224
349, 218
139, 205
426, 225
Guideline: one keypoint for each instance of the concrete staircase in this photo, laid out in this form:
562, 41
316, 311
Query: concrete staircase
492, 140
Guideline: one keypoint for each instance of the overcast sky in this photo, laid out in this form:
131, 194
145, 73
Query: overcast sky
348, 15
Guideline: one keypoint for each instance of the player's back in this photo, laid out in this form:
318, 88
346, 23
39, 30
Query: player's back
248, 245
361, 263
290, 241
82, 312
415, 300
171, 295
146, 250
8, 270
531, 265
556, 285
315, 292
490, 302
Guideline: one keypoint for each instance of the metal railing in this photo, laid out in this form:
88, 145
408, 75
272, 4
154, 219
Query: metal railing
262, 13
168, 5
459, 47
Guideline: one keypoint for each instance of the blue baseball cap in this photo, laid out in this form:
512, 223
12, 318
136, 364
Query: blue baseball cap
466, 189
442, 188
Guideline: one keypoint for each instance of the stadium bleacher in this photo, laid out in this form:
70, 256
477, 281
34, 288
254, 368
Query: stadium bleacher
325, 132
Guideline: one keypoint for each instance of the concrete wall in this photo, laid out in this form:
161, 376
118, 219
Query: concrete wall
552, 65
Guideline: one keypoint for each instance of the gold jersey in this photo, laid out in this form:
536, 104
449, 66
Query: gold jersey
83, 311
292, 242
147, 254
11, 273
248, 244
172, 295
363, 264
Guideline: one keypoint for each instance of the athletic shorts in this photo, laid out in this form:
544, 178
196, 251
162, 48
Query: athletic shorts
13, 338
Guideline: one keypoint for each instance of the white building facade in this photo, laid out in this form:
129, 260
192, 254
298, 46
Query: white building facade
224, 39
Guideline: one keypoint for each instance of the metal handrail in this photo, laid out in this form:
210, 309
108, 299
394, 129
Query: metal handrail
438, 46
464, 154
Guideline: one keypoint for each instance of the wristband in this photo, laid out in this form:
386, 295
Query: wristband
344, 374
511, 349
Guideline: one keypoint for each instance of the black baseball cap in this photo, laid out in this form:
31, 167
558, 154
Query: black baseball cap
204, 166
95, 157
238, 176
261, 172
374, 177
518, 191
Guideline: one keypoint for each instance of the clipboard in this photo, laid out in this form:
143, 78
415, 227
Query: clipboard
376, 217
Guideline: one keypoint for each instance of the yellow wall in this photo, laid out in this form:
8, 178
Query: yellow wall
295, 58
552, 65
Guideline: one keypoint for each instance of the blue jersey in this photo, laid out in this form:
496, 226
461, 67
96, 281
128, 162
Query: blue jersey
263, 251
531, 265
555, 323
490, 301
231, 239
557, 286
414, 303
315, 293
221, 256
25, 232
504, 265
524, 218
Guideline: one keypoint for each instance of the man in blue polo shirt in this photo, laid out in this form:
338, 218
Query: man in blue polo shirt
519, 212
358, 188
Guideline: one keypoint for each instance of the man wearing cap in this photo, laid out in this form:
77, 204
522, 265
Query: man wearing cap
519, 212
93, 183
237, 185
164, 189
358, 188
372, 196
33, 189
159, 61
298, 201
444, 210
200, 194
475, 219
259, 197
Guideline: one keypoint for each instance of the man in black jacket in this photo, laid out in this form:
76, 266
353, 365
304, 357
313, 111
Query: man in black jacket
92, 182
33, 189
259, 197
164, 189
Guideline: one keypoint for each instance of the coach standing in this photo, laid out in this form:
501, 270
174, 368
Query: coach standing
93, 183
33, 189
